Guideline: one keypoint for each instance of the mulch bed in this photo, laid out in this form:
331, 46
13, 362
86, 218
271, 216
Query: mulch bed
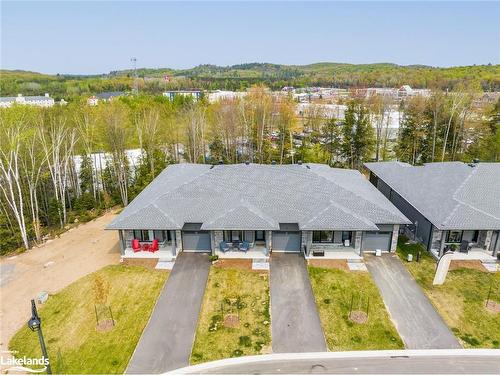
471, 264
241, 264
358, 317
105, 325
340, 264
231, 321
493, 306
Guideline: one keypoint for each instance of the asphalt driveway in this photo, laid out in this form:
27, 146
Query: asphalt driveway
418, 323
168, 338
295, 322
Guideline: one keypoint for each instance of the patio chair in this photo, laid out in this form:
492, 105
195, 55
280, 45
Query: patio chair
136, 246
154, 246
244, 246
224, 247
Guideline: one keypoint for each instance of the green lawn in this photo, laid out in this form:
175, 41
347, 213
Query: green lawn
460, 300
69, 323
334, 290
243, 293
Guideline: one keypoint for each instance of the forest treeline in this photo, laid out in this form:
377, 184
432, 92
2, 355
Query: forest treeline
243, 76
49, 178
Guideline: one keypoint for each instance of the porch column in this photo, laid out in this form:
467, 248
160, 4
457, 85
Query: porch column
394, 241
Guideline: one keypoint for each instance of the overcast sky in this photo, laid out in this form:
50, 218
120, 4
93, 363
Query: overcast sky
97, 37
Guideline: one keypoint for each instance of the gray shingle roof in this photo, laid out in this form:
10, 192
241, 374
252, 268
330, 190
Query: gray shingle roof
451, 195
260, 197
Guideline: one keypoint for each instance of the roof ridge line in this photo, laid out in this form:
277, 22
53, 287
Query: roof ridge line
460, 202
350, 191
164, 213
252, 208
345, 209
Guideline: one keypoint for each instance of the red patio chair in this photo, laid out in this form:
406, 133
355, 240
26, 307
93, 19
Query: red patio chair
154, 246
136, 246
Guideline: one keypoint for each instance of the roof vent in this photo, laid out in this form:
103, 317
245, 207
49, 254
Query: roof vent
299, 162
221, 162
308, 167
247, 163
475, 161
212, 167
273, 162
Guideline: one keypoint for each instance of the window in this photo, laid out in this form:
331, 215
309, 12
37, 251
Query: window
260, 235
475, 236
454, 236
161, 235
322, 236
233, 235
142, 235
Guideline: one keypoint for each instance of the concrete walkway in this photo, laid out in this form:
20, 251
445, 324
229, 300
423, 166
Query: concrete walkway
294, 317
168, 338
416, 320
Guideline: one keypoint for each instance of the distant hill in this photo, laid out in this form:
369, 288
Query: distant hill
241, 76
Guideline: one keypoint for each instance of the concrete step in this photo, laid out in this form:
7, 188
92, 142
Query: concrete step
165, 265
260, 264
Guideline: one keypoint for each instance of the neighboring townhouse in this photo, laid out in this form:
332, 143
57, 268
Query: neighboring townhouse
303, 208
452, 205
37, 101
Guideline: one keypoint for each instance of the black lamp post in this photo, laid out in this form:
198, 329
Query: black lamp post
35, 324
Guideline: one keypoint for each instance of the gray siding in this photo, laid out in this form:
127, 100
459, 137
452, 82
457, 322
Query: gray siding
423, 228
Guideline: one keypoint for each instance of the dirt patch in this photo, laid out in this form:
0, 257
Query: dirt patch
340, 264
471, 264
493, 306
76, 253
240, 264
105, 325
231, 321
358, 317
143, 262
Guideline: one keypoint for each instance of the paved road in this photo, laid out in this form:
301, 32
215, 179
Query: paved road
295, 321
168, 338
432, 364
416, 320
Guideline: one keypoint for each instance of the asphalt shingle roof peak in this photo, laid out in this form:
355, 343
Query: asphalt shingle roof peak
256, 196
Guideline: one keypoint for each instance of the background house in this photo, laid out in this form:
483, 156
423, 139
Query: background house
447, 203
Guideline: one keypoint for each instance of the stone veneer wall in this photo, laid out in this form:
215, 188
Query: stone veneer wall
269, 241
178, 241
437, 243
487, 240
217, 238
357, 241
394, 240
306, 241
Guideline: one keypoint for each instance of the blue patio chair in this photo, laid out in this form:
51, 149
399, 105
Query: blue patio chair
224, 246
244, 246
